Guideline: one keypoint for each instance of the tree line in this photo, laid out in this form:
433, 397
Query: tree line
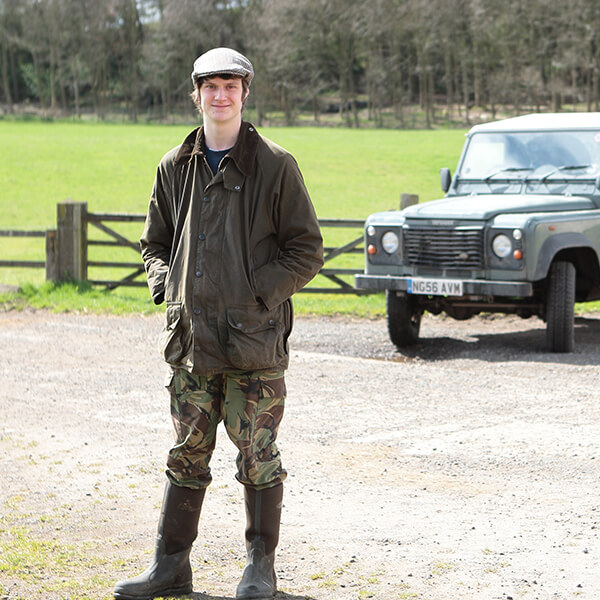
372, 63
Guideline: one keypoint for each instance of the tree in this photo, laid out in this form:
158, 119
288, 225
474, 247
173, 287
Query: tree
310, 55
8, 27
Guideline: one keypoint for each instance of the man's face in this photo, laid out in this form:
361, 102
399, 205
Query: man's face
222, 99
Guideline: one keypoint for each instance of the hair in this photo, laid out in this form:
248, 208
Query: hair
195, 95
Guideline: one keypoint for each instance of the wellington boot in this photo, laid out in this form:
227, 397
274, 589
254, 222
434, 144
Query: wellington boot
258, 579
170, 573
263, 514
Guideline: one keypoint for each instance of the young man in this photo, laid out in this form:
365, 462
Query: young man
230, 235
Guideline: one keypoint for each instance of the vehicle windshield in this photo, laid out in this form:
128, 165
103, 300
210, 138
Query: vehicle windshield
534, 162
527, 154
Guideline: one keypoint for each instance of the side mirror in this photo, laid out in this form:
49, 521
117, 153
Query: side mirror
446, 178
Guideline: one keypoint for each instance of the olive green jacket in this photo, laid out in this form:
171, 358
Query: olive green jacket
226, 253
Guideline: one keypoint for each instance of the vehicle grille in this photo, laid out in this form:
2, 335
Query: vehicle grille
444, 248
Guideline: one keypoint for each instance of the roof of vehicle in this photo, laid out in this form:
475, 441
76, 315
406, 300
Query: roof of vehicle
542, 122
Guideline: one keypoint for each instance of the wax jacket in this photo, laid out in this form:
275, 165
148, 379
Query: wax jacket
227, 252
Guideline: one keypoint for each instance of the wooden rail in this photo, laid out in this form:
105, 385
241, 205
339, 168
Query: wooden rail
99, 220
12, 233
67, 250
333, 274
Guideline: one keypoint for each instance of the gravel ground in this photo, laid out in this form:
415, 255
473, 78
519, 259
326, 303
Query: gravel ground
467, 468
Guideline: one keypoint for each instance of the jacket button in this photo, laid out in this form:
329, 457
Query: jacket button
271, 322
239, 325
237, 188
198, 273
206, 199
196, 311
201, 237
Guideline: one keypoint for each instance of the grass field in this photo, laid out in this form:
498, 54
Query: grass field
349, 173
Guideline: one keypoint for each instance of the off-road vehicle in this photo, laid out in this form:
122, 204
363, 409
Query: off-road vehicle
518, 231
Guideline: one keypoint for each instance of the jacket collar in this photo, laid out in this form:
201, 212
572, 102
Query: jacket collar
243, 153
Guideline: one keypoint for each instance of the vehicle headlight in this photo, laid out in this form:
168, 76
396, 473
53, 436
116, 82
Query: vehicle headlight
502, 246
390, 242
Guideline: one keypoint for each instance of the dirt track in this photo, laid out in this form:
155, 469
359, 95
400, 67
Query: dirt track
468, 469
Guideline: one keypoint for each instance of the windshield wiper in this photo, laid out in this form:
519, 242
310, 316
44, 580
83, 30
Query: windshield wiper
506, 170
564, 168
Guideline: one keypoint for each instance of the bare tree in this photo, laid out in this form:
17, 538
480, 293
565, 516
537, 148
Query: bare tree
7, 30
309, 55
130, 51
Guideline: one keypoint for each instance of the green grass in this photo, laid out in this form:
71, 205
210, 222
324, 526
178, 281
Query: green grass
81, 297
54, 569
349, 174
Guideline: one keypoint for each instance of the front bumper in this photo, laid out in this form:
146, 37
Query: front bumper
479, 287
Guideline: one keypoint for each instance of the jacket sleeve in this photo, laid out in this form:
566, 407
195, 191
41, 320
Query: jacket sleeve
157, 238
299, 238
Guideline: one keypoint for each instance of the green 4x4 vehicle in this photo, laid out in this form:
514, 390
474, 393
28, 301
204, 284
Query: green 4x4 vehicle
518, 231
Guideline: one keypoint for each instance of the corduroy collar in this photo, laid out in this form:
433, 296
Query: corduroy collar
243, 153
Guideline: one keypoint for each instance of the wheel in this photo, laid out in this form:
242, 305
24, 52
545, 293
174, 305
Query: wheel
560, 307
403, 318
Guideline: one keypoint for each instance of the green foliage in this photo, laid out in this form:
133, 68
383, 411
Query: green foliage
28, 74
394, 60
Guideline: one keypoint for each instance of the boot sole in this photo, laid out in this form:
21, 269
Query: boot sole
256, 596
167, 591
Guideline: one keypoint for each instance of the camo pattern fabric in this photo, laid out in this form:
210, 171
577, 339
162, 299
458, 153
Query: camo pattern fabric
250, 404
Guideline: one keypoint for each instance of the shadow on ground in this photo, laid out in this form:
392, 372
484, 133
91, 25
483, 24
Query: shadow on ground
525, 345
278, 596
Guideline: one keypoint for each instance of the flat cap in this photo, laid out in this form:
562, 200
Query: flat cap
223, 60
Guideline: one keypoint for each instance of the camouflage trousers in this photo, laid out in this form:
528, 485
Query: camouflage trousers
250, 404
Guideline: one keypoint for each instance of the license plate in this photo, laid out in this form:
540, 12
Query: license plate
435, 287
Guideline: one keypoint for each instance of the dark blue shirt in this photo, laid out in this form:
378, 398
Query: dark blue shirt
214, 157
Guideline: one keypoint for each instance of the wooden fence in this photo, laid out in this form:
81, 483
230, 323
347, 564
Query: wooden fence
36, 264
67, 250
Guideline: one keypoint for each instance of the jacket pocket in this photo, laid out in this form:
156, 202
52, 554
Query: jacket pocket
172, 338
255, 338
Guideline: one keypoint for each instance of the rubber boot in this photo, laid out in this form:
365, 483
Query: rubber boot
263, 515
170, 573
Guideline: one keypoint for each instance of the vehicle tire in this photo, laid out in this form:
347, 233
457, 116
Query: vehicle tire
560, 307
403, 319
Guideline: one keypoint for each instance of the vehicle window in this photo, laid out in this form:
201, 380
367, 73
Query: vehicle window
490, 152
530, 154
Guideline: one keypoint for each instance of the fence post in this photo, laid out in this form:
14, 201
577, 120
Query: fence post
71, 241
408, 200
51, 256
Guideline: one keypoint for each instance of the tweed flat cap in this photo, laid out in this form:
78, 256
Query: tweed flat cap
223, 60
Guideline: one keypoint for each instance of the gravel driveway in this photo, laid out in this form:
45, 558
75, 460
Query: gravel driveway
468, 468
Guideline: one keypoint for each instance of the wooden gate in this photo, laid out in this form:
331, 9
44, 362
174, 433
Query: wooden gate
68, 255
100, 221
333, 274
